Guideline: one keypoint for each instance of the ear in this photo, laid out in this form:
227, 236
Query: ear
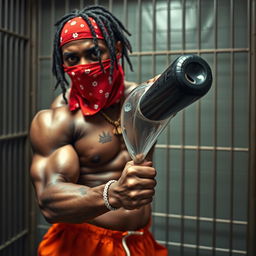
119, 48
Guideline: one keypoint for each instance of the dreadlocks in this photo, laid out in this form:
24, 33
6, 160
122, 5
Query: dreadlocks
105, 20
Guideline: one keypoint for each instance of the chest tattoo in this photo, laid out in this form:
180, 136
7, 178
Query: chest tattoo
105, 137
82, 191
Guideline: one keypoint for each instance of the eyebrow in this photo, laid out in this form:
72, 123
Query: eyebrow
72, 53
68, 54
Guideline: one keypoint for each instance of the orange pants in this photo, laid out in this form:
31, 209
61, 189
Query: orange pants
88, 240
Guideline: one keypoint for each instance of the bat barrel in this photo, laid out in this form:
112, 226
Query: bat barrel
186, 80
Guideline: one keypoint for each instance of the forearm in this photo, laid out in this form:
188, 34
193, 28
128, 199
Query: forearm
67, 202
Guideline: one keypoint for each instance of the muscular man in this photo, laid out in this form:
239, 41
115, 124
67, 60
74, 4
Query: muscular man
86, 184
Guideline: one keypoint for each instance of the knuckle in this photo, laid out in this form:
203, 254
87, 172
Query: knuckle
131, 183
131, 171
133, 195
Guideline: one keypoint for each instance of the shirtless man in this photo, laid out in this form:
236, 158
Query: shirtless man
97, 199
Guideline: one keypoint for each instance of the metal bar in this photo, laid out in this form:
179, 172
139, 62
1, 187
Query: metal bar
110, 5
182, 159
196, 218
4, 226
66, 6
34, 49
168, 28
7, 192
5, 83
6, 31
154, 37
22, 17
198, 152
168, 159
139, 11
125, 13
17, 15
251, 232
81, 4
1, 8
168, 138
176, 52
11, 16
10, 107
232, 114
196, 147
13, 136
214, 168
13, 239
208, 248
6, 11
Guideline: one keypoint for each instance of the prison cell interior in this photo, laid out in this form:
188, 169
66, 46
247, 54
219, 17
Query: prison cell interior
205, 158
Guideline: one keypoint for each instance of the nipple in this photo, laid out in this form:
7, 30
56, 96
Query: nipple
95, 159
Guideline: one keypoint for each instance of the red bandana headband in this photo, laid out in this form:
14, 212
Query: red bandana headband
77, 28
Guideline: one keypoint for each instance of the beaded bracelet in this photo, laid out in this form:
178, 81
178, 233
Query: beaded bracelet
105, 195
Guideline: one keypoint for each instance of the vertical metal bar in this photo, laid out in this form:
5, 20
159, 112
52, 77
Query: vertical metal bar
8, 191
6, 12
214, 169
251, 232
154, 37
5, 83
110, 5
1, 11
139, 10
232, 127
182, 230
198, 152
3, 190
66, 6
35, 17
17, 15
11, 16
125, 13
22, 18
183, 16
168, 169
81, 4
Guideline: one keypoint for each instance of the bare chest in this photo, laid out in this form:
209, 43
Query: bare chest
102, 154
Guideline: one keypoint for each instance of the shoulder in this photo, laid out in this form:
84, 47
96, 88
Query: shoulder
50, 128
59, 100
129, 86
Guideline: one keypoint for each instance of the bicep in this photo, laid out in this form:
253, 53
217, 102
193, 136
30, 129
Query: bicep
62, 165
54, 157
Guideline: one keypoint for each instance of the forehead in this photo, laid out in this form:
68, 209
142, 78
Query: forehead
82, 44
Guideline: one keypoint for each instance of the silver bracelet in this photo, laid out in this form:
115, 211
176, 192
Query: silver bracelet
105, 195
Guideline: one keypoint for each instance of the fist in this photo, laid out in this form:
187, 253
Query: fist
135, 187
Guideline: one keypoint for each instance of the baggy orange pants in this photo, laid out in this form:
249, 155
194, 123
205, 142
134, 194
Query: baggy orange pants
88, 240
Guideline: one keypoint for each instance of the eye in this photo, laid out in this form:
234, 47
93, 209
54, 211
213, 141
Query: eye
72, 60
93, 55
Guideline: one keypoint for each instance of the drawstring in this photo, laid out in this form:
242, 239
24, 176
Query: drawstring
129, 233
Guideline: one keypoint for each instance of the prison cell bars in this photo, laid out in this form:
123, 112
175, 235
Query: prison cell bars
251, 231
198, 148
15, 101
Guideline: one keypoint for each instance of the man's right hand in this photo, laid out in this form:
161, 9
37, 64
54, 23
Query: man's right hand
135, 187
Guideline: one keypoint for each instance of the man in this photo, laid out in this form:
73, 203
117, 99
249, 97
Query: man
85, 182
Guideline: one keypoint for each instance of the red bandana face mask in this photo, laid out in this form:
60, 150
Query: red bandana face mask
91, 89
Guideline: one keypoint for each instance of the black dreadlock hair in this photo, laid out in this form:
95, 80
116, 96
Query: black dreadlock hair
115, 32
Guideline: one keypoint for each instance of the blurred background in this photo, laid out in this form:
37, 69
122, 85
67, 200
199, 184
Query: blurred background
205, 199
